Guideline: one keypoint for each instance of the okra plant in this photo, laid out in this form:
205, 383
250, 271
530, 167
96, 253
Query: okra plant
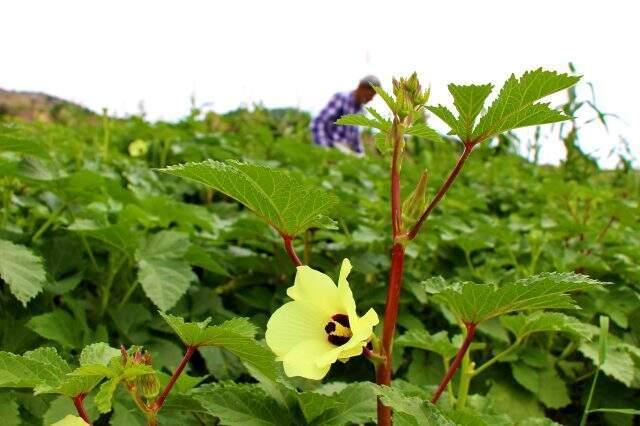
320, 324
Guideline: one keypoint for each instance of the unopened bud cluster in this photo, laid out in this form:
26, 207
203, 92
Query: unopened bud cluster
409, 96
416, 202
147, 385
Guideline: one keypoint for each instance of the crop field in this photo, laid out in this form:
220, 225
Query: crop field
195, 272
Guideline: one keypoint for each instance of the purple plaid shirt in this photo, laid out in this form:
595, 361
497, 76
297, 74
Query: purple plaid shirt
327, 133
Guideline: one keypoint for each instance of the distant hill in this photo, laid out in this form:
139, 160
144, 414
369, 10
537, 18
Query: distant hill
34, 106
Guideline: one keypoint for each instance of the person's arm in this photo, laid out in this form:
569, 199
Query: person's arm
323, 123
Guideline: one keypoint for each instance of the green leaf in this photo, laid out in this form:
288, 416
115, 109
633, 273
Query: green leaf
421, 339
420, 412
21, 270
70, 420
444, 114
49, 357
165, 281
125, 416
30, 370
9, 412
118, 236
474, 303
546, 384
59, 408
515, 106
386, 97
235, 335
378, 116
421, 130
314, 404
95, 370
202, 334
164, 275
363, 120
58, 326
524, 324
243, 405
14, 142
618, 362
280, 198
165, 245
358, 406
104, 397
72, 386
44, 371
98, 353
468, 101
197, 256
513, 400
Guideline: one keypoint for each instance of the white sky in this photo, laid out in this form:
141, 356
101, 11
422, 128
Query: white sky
117, 53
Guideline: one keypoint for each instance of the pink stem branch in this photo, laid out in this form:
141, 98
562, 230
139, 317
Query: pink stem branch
82, 412
468, 147
471, 331
288, 246
157, 405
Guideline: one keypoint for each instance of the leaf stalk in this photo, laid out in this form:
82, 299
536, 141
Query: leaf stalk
288, 246
468, 338
157, 405
78, 401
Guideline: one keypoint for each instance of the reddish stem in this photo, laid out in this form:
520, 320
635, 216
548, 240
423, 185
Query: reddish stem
157, 405
471, 331
383, 376
82, 412
288, 246
468, 147
383, 373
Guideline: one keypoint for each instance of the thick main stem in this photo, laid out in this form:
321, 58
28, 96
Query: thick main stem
288, 246
390, 317
471, 331
165, 392
468, 147
82, 412
383, 373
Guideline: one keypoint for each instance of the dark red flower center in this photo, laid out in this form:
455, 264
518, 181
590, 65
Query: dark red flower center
338, 329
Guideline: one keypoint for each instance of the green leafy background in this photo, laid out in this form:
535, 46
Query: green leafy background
93, 242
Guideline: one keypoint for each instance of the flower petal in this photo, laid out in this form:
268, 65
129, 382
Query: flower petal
315, 288
344, 291
304, 359
293, 323
363, 326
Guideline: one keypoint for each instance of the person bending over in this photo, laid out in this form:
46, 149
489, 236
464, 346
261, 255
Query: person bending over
324, 129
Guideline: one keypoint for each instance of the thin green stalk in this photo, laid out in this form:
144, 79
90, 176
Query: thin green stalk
498, 357
345, 228
534, 260
569, 349
128, 294
87, 247
308, 240
114, 267
466, 374
585, 414
6, 201
164, 153
106, 134
85, 244
467, 257
513, 258
43, 228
